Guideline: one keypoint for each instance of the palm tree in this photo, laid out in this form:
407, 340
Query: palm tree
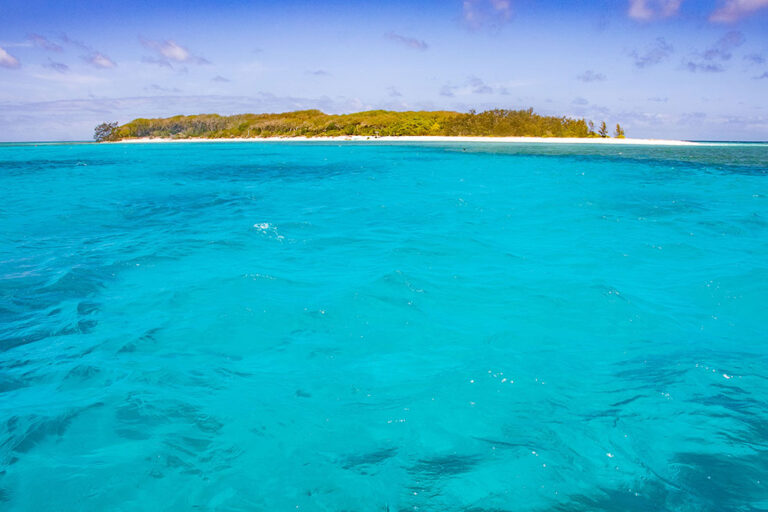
603, 129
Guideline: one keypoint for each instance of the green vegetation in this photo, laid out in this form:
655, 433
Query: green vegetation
603, 132
374, 123
619, 133
105, 131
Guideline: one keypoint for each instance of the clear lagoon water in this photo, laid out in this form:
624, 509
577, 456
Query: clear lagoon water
383, 327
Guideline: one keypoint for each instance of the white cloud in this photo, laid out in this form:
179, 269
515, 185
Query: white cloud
70, 79
448, 91
94, 57
159, 88
7, 60
156, 61
170, 50
659, 51
56, 66
591, 76
44, 43
645, 10
712, 60
410, 42
478, 13
734, 10
475, 85
393, 92
74, 42
755, 58
99, 60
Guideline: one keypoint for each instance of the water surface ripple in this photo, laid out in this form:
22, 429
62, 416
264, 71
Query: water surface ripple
383, 327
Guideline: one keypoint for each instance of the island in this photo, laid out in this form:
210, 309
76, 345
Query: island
369, 124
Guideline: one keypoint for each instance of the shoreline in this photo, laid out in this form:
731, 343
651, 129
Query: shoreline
424, 138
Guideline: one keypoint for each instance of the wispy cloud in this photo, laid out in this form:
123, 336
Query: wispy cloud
712, 60
318, 72
725, 45
160, 88
157, 62
99, 60
70, 78
755, 58
169, 51
74, 42
94, 57
410, 42
657, 52
704, 67
477, 86
57, 66
44, 43
580, 101
7, 60
692, 118
220, 79
763, 76
393, 92
448, 91
21, 44
646, 10
734, 10
486, 13
474, 85
591, 76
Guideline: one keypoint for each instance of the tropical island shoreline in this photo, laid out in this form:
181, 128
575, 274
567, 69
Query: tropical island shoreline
490, 126
495, 124
419, 138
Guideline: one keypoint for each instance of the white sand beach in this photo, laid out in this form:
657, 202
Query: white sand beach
492, 140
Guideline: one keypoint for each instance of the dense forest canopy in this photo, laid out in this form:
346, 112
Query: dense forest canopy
373, 123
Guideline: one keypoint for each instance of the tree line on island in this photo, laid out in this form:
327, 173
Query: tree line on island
373, 123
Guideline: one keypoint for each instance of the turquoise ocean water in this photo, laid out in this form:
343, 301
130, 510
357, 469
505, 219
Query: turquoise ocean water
383, 327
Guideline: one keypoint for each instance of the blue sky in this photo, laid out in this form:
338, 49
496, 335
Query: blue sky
663, 68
